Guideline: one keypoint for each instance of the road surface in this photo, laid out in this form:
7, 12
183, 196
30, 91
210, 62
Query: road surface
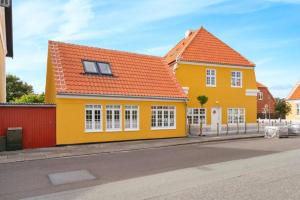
178, 172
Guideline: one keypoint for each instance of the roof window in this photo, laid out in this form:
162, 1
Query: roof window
94, 67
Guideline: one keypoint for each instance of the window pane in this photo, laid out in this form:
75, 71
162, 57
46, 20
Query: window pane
97, 114
88, 119
153, 121
90, 67
127, 119
104, 68
109, 119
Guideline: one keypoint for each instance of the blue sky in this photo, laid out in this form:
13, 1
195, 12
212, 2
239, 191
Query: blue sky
267, 32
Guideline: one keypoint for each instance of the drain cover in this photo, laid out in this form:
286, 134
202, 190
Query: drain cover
70, 177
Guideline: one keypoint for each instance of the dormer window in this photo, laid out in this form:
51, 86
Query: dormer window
94, 67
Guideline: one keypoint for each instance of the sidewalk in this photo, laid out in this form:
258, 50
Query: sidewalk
112, 147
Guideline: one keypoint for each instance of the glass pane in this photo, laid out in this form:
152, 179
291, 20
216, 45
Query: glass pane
153, 120
97, 114
104, 68
90, 67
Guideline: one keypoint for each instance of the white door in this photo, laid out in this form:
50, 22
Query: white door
216, 118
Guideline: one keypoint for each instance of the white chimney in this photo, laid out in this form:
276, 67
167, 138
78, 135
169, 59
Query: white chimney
188, 33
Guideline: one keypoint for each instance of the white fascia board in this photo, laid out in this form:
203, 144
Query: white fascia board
115, 97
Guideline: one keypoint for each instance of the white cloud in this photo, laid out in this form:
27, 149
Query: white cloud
36, 21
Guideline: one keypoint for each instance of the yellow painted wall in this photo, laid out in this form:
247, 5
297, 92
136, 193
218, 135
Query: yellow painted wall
70, 118
50, 92
223, 95
293, 115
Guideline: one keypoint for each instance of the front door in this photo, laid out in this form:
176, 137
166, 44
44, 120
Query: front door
216, 118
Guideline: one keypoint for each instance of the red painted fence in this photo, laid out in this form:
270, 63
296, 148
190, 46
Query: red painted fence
37, 120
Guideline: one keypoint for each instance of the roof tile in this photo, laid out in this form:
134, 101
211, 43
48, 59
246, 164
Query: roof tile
133, 74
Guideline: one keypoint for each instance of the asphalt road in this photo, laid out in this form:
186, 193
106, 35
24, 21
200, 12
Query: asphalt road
27, 179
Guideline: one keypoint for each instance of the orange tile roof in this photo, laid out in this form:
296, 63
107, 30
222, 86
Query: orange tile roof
202, 46
295, 93
133, 74
259, 85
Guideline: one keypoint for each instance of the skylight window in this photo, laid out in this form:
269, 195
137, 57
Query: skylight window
93, 67
104, 68
90, 67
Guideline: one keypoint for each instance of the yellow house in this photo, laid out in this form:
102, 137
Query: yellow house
294, 99
204, 65
6, 44
107, 95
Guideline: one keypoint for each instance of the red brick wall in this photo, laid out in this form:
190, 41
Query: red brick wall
267, 100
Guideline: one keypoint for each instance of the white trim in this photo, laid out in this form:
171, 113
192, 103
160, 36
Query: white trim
93, 130
260, 95
113, 121
186, 90
210, 76
192, 108
241, 77
215, 65
238, 116
162, 117
251, 92
138, 118
116, 97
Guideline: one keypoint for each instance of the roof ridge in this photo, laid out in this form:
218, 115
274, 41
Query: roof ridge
227, 45
105, 49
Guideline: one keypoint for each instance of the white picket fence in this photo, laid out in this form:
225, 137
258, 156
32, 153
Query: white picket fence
244, 128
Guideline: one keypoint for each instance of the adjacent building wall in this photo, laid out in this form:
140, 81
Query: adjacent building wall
293, 115
2, 56
70, 122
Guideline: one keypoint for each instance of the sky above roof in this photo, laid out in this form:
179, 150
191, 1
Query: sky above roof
267, 32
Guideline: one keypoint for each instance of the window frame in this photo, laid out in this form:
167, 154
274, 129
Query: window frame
209, 77
113, 109
238, 115
131, 109
234, 79
297, 108
260, 95
161, 109
192, 115
93, 109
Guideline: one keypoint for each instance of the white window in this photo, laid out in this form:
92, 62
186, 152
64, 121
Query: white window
210, 77
260, 95
298, 109
236, 115
113, 118
93, 118
163, 117
194, 115
236, 79
131, 117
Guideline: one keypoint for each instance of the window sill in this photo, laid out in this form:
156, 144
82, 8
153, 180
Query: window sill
211, 86
236, 86
161, 128
113, 130
131, 130
93, 131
